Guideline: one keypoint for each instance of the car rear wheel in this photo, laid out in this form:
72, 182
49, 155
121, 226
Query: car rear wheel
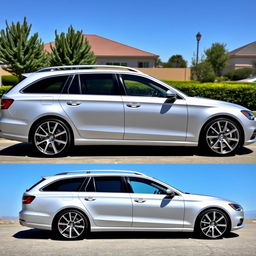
222, 136
71, 225
51, 137
212, 224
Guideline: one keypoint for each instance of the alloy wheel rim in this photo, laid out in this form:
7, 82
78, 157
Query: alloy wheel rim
222, 137
71, 225
213, 224
51, 137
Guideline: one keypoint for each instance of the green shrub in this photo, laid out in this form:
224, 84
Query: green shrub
239, 93
241, 73
4, 89
203, 72
9, 80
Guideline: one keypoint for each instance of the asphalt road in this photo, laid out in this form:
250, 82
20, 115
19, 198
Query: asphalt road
16, 152
17, 240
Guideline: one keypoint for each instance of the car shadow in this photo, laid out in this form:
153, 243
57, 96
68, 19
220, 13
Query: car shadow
25, 149
46, 235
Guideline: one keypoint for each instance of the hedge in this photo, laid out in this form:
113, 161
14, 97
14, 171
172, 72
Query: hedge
4, 88
9, 80
240, 93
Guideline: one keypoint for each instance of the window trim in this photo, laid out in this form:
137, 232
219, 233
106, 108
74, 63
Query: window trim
43, 78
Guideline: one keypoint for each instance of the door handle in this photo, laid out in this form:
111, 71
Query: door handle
133, 105
73, 103
89, 198
140, 200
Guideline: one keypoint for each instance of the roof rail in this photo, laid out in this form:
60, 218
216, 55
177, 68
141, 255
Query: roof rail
71, 67
95, 171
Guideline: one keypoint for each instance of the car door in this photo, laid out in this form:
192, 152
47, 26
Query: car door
152, 208
149, 115
107, 202
93, 103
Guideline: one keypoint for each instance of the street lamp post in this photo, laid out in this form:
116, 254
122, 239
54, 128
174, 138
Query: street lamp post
198, 38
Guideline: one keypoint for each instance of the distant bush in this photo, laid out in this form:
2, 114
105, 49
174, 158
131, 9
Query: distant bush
9, 80
239, 93
241, 73
203, 72
4, 89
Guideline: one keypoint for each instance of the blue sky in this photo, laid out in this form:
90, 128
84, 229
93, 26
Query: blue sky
164, 27
234, 182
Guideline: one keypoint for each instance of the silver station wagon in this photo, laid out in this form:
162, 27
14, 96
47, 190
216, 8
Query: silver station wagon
74, 203
58, 107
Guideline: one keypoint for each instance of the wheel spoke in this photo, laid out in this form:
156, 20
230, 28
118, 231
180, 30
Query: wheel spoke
215, 144
40, 135
76, 231
227, 144
74, 217
48, 127
78, 226
54, 128
40, 127
64, 229
214, 130
219, 127
220, 219
47, 144
226, 126
221, 146
54, 148
218, 230
60, 133
212, 136
221, 225
65, 218
61, 141
40, 142
232, 139
205, 222
230, 132
70, 232
214, 216
207, 216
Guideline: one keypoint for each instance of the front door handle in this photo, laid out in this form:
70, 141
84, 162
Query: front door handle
133, 105
89, 198
73, 103
140, 200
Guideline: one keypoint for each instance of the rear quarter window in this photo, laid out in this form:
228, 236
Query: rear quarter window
47, 85
73, 184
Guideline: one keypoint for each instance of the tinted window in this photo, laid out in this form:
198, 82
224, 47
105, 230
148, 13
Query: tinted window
98, 84
144, 186
106, 184
73, 184
140, 86
36, 184
47, 85
74, 87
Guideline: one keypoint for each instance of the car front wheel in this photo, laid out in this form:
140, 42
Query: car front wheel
222, 136
212, 224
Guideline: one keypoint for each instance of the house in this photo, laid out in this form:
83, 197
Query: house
243, 57
109, 52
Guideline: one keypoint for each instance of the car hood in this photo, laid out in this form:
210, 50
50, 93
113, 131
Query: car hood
197, 101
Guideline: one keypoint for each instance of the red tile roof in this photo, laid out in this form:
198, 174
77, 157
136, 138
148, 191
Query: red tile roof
103, 47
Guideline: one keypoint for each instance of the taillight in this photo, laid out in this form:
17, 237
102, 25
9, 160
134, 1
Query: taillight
6, 103
27, 199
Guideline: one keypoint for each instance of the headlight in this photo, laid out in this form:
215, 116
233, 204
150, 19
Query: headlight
236, 207
248, 114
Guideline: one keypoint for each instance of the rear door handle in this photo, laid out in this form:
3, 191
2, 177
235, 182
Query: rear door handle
89, 198
133, 105
140, 200
73, 103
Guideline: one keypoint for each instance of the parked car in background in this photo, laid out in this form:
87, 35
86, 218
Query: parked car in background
75, 203
249, 79
58, 107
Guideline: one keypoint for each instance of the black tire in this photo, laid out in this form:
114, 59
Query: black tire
70, 230
221, 136
218, 227
51, 137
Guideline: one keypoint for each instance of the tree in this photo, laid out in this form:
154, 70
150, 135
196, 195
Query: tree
176, 61
218, 57
71, 48
20, 52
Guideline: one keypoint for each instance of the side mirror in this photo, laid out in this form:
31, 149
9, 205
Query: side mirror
170, 193
171, 95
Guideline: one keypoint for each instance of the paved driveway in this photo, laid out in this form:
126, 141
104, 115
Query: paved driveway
17, 240
16, 152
